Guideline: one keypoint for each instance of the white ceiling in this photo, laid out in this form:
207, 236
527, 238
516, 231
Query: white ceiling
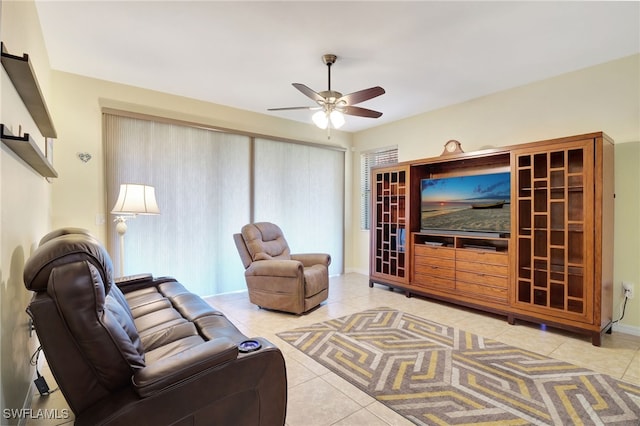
426, 55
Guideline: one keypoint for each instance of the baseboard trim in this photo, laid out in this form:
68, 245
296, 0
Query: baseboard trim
626, 329
356, 271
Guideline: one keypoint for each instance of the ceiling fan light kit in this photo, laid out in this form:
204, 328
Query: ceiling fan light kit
332, 105
322, 119
337, 119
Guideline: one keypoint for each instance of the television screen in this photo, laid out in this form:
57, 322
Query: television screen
467, 204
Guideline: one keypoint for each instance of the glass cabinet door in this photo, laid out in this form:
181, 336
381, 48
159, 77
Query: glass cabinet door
554, 229
389, 224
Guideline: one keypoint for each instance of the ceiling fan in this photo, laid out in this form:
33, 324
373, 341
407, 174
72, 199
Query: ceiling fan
332, 104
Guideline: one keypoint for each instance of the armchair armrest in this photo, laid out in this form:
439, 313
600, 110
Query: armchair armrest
275, 268
310, 259
174, 369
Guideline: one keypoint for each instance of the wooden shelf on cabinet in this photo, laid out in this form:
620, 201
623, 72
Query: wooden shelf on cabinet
27, 149
24, 80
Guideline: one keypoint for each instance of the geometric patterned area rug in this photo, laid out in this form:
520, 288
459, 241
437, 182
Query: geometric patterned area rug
438, 375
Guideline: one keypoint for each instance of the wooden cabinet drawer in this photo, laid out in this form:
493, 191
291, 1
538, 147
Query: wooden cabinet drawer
482, 268
432, 281
434, 261
482, 256
482, 279
431, 251
435, 270
495, 293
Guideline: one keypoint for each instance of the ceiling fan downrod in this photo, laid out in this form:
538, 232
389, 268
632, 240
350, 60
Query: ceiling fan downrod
329, 59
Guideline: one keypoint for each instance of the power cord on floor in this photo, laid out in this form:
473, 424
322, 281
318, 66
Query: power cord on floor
624, 308
40, 382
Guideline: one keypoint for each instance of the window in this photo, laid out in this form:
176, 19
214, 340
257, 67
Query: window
367, 161
202, 180
209, 184
301, 188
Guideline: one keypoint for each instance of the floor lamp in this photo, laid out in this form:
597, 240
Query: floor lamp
133, 199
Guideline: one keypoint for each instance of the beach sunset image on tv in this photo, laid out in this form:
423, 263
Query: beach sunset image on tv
475, 203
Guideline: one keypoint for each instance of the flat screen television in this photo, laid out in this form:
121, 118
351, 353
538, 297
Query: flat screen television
475, 204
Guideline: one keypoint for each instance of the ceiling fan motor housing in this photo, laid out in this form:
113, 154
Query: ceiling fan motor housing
329, 59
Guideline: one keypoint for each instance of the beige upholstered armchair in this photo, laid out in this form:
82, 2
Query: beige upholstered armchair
277, 279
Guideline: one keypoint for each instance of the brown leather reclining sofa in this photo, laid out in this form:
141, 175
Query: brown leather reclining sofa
144, 350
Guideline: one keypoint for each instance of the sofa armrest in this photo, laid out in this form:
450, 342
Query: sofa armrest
136, 282
310, 259
169, 371
275, 268
133, 279
220, 395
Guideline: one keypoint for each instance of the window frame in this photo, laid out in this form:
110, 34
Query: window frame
368, 159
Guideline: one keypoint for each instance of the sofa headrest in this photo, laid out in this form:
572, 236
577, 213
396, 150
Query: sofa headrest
62, 247
265, 241
62, 231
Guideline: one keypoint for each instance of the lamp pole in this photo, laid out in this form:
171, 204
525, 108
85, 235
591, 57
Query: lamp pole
121, 228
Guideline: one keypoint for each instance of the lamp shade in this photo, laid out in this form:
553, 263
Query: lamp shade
136, 199
320, 119
337, 119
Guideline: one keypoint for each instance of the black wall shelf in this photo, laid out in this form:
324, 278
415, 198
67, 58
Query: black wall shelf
27, 149
24, 80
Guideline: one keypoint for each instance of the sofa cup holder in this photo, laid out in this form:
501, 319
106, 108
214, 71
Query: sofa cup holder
250, 345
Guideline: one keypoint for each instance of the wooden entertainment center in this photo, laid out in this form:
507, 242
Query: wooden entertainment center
554, 267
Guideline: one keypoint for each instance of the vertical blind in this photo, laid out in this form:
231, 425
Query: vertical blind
367, 161
208, 185
301, 188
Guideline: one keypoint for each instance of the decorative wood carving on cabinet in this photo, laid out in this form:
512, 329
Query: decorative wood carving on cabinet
389, 260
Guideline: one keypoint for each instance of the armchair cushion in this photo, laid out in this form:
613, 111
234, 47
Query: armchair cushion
265, 241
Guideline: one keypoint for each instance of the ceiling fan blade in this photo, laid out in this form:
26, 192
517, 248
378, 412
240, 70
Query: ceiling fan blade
291, 108
308, 92
361, 112
362, 95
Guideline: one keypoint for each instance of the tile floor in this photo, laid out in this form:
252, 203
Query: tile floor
313, 388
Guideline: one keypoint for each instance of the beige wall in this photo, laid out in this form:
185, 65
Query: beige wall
24, 207
627, 230
600, 98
